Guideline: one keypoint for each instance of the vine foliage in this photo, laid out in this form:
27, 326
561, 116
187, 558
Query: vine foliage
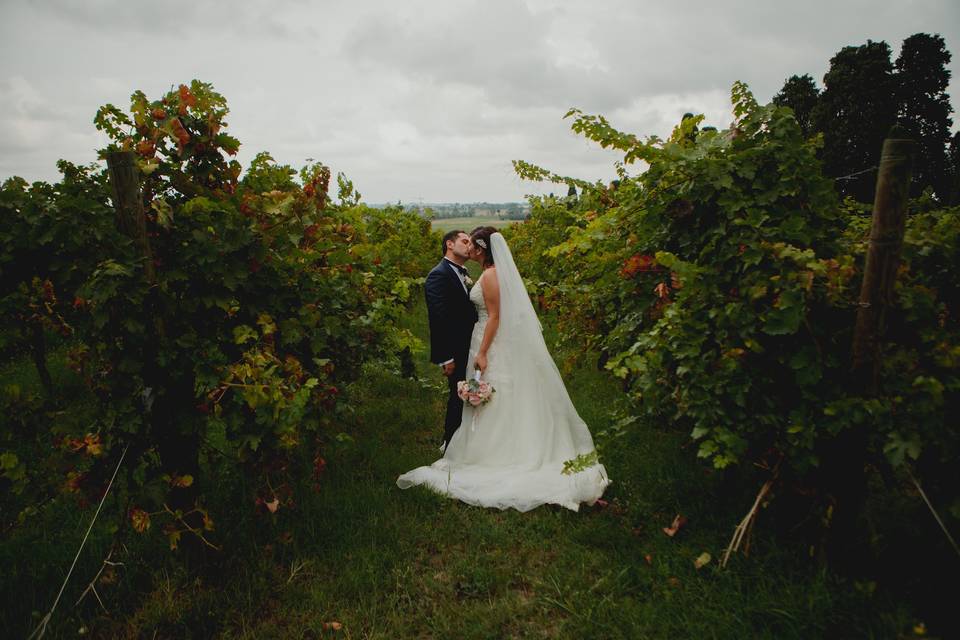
221, 347
720, 284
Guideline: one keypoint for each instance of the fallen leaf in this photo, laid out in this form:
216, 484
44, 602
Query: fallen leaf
702, 560
673, 581
273, 505
678, 523
601, 503
332, 626
649, 559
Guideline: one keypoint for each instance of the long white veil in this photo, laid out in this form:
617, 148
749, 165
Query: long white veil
524, 353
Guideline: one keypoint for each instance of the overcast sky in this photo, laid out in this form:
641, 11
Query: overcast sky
426, 99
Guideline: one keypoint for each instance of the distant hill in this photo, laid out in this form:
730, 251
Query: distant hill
449, 210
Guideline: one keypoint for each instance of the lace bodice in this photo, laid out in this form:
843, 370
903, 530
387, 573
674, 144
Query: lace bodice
476, 297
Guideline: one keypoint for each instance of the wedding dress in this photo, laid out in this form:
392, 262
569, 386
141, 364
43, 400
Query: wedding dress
510, 452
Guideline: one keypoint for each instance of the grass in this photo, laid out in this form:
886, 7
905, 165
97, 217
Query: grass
385, 563
468, 223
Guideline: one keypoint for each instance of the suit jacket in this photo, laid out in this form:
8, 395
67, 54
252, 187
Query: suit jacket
451, 314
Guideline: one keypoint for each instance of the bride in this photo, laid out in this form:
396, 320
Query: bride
510, 452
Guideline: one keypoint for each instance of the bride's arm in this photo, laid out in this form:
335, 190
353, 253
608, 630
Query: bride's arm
491, 299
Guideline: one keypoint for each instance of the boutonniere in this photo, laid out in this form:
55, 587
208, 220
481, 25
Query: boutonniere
468, 281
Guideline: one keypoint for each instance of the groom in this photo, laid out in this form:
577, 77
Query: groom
452, 317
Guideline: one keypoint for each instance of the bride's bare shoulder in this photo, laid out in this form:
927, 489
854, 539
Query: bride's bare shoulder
489, 277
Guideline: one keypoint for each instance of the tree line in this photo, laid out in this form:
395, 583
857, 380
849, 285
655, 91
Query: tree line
864, 94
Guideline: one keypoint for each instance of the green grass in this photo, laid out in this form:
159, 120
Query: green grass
468, 224
387, 563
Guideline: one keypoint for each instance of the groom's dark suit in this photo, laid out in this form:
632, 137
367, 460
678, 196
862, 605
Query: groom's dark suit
452, 317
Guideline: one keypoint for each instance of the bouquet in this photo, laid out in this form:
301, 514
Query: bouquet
475, 391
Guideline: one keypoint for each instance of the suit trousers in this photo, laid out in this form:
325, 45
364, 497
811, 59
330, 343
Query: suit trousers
454, 403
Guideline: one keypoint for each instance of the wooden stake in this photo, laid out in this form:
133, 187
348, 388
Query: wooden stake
883, 257
131, 219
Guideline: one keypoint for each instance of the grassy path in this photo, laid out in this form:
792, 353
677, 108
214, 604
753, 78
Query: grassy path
411, 564
385, 563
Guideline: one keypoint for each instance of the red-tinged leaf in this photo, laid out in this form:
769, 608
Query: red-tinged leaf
678, 523
601, 503
180, 133
74, 479
174, 538
187, 99
228, 143
146, 148
273, 505
648, 559
140, 520
332, 626
183, 481
319, 466
93, 444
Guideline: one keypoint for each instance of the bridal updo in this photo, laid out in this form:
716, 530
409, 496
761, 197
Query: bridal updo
480, 237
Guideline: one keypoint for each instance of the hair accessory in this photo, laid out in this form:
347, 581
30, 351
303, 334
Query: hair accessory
481, 242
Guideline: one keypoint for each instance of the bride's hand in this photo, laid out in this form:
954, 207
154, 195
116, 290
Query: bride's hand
481, 362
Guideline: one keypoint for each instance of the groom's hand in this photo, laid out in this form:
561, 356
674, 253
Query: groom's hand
448, 369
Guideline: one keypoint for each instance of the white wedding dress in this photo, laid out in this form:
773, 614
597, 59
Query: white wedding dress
510, 452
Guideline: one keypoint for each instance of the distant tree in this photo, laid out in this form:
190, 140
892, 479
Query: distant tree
264, 174
954, 155
924, 109
571, 196
801, 94
692, 134
855, 111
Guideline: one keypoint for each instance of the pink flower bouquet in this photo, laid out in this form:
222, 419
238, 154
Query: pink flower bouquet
475, 391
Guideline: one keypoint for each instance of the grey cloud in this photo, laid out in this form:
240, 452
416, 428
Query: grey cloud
499, 47
173, 18
425, 97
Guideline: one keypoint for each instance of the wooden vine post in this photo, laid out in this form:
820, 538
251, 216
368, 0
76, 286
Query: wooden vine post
168, 396
130, 217
845, 459
883, 257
